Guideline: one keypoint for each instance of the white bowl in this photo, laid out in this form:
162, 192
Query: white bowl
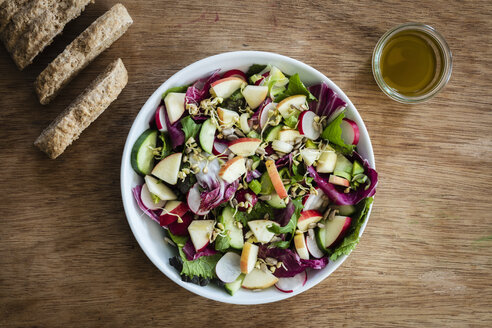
150, 235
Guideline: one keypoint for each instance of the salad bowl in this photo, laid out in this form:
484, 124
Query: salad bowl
150, 235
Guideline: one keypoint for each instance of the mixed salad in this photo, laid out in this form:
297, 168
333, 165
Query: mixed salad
255, 177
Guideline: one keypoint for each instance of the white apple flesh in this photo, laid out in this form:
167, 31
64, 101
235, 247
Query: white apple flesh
227, 117
308, 217
290, 104
200, 233
335, 229
289, 135
159, 189
173, 210
249, 256
260, 230
225, 87
258, 279
168, 168
175, 106
254, 95
233, 169
244, 146
310, 155
301, 248
327, 161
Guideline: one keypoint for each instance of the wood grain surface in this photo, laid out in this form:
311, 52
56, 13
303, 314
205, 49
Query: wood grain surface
69, 259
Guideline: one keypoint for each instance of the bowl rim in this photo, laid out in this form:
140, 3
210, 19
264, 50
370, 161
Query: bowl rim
125, 167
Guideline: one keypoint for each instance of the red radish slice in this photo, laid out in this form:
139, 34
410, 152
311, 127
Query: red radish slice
228, 268
306, 125
160, 119
193, 199
148, 201
313, 247
221, 147
350, 132
236, 73
288, 285
264, 113
316, 202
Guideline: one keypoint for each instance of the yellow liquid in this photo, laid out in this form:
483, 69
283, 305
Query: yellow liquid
410, 63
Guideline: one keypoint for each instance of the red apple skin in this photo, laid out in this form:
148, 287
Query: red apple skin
166, 219
309, 214
181, 229
241, 140
224, 80
235, 73
342, 234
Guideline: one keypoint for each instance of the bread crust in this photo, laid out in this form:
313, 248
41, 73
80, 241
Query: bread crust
84, 110
99, 36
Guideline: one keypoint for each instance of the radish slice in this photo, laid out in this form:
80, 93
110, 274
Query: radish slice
264, 113
313, 247
221, 148
160, 119
236, 73
228, 268
316, 202
350, 132
193, 199
307, 125
288, 285
148, 201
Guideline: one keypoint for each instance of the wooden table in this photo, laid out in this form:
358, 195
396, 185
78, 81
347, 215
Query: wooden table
68, 257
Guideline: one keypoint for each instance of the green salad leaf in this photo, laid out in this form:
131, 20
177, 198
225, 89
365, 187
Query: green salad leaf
189, 127
222, 243
259, 210
292, 225
333, 133
295, 87
180, 241
181, 89
352, 238
255, 69
203, 267
166, 147
235, 101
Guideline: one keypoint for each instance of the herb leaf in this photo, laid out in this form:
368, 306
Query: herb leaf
189, 127
202, 267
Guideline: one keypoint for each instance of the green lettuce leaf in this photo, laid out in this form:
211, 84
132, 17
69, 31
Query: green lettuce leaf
175, 89
180, 241
189, 127
166, 146
255, 69
295, 87
203, 267
352, 238
333, 133
222, 243
290, 227
259, 210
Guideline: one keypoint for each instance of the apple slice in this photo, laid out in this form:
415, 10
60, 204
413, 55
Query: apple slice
200, 233
260, 230
244, 146
264, 113
313, 247
301, 248
350, 132
255, 94
307, 125
171, 212
235, 73
326, 162
207, 135
194, 200
221, 148
335, 229
308, 217
244, 123
147, 200
233, 169
289, 105
168, 168
316, 202
276, 180
228, 268
175, 106
248, 257
227, 117
259, 279
310, 155
159, 189
288, 135
181, 229
225, 87
160, 119
288, 285
282, 146
338, 181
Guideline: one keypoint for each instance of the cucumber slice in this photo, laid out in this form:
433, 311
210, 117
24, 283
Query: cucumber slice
142, 156
320, 234
276, 201
235, 233
345, 210
357, 169
234, 286
207, 135
272, 134
343, 167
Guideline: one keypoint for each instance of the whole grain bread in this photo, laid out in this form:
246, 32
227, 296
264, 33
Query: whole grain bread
77, 55
45, 28
68, 126
8, 9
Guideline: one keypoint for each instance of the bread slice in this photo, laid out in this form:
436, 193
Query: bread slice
44, 28
77, 55
8, 9
84, 110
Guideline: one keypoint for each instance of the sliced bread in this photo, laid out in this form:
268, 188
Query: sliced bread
8, 9
77, 55
84, 110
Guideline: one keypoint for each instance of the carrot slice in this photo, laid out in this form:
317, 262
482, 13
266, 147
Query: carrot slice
276, 180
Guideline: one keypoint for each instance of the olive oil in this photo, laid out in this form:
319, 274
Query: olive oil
411, 63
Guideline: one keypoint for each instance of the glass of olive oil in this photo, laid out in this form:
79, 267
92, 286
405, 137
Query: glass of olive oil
411, 63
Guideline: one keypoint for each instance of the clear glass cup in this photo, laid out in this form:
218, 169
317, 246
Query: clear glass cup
442, 75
